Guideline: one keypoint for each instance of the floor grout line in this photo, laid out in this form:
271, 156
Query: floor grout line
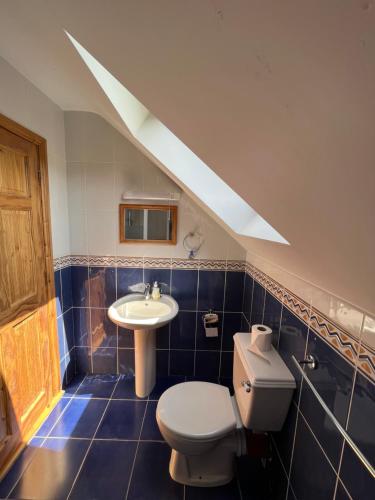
44, 440
92, 440
89, 398
102, 439
135, 454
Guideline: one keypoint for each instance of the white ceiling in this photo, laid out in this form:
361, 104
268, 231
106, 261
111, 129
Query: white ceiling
276, 97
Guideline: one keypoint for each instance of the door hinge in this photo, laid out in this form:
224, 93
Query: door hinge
39, 175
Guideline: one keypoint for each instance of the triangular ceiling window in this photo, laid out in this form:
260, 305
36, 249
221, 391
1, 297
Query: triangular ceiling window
178, 158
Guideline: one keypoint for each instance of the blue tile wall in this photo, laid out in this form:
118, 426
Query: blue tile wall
65, 324
183, 330
257, 307
102, 286
102, 347
127, 278
66, 286
211, 290
90, 343
162, 276
272, 316
292, 341
312, 476
355, 477
234, 286
362, 412
310, 455
247, 296
185, 288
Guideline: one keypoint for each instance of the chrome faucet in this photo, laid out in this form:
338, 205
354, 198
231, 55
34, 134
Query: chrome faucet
147, 291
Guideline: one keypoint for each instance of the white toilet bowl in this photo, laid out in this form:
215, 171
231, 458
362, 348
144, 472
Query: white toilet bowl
205, 426
200, 422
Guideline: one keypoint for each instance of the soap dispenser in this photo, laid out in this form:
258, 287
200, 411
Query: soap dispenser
156, 291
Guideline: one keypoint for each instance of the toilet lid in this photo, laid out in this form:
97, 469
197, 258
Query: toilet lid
197, 410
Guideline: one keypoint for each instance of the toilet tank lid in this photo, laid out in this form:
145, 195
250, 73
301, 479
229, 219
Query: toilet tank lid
270, 372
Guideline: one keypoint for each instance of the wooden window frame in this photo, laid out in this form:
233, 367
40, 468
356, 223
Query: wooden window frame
172, 208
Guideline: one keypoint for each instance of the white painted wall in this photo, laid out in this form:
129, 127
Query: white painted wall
102, 164
275, 97
24, 103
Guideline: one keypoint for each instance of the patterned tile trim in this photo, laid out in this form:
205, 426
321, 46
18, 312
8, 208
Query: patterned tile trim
61, 262
185, 264
236, 265
106, 261
338, 338
129, 261
212, 265
79, 260
148, 262
160, 263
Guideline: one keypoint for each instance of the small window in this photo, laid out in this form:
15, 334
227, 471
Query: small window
148, 224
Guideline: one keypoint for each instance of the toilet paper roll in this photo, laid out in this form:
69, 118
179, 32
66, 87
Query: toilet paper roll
261, 337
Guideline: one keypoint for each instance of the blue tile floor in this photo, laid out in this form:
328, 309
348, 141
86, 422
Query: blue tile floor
102, 442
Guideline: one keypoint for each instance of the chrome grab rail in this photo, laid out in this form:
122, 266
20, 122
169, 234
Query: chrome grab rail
337, 424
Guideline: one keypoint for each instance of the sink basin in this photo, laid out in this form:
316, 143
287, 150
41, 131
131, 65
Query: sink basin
143, 316
136, 313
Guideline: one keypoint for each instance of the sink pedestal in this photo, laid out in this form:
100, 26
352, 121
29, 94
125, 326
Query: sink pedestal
145, 361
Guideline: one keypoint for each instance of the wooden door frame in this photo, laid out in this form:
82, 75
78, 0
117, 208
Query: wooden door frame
41, 145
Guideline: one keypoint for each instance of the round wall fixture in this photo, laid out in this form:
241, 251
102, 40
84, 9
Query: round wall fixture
192, 243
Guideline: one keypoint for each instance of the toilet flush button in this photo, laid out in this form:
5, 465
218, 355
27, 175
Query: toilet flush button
246, 384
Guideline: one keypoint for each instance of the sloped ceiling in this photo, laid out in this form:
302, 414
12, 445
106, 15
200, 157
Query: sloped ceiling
276, 97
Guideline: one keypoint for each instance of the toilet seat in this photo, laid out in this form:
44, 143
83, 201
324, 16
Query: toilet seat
199, 411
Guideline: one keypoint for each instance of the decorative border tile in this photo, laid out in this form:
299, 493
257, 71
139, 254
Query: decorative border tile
129, 262
338, 338
185, 264
298, 306
159, 263
102, 261
61, 262
148, 262
236, 265
212, 265
79, 260
335, 336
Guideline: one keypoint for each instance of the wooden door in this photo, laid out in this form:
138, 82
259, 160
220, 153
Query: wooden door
28, 345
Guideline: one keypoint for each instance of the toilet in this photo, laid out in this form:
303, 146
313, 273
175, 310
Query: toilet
205, 426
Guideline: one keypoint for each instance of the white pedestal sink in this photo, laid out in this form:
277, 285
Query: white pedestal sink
144, 317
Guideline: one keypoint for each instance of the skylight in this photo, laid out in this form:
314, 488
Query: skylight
178, 158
